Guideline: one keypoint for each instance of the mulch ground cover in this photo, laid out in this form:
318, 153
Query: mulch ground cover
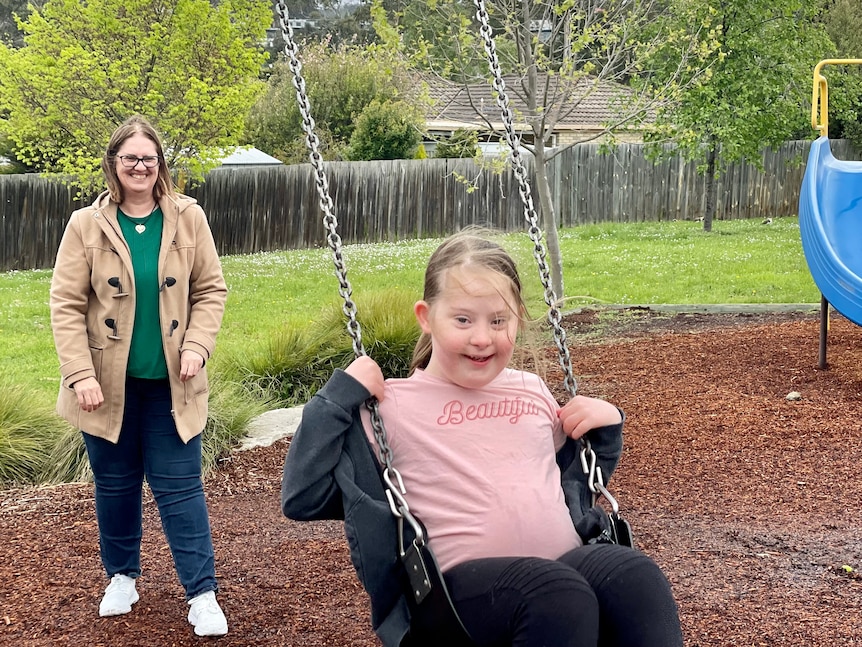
747, 499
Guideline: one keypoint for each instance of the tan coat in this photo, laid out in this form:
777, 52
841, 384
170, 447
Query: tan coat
92, 252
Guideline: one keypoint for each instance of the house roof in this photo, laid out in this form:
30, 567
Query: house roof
589, 104
242, 156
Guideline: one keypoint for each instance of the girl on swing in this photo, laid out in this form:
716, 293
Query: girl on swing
483, 450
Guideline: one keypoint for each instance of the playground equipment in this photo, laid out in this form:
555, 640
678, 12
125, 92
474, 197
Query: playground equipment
830, 217
425, 579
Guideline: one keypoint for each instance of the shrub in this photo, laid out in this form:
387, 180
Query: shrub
340, 83
462, 143
28, 431
296, 363
385, 130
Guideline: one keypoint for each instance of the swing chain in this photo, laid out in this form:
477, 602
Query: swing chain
312, 142
595, 479
554, 316
391, 476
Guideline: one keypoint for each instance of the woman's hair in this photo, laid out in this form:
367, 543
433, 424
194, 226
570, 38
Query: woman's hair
467, 248
133, 126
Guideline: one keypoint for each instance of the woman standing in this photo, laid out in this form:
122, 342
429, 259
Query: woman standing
137, 299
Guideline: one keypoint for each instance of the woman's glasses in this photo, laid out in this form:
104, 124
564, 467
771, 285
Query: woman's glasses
130, 161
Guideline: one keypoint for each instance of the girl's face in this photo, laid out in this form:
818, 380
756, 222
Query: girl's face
473, 324
137, 180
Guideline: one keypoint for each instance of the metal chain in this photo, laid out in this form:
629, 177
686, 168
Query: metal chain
395, 485
395, 490
312, 142
554, 315
595, 480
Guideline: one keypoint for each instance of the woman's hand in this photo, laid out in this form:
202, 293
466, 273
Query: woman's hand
367, 372
580, 414
89, 393
190, 364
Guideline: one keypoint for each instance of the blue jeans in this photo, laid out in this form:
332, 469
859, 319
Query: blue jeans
150, 446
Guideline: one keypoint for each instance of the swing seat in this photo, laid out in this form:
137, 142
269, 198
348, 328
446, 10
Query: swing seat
435, 615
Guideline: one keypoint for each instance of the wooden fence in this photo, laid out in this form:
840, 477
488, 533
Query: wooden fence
278, 207
625, 186
33, 214
265, 209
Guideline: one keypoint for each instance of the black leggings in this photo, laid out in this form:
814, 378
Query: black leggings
600, 595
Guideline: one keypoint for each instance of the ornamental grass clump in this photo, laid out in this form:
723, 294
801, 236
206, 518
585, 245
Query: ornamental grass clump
67, 461
231, 409
28, 431
295, 362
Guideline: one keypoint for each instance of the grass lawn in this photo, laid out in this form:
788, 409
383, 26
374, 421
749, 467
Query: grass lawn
740, 261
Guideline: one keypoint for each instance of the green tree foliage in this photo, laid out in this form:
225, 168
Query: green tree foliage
756, 90
191, 67
843, 23
340, 83
557, 57
462, 143
11, 165
332, 21
439, 36
843, 20
386, 130
844, 84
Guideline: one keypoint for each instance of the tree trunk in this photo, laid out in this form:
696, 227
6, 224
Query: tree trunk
711, 185
549, 220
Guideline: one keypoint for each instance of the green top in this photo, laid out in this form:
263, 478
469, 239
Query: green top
144, 236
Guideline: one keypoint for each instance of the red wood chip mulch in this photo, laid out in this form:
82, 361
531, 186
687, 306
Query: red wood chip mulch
748, 500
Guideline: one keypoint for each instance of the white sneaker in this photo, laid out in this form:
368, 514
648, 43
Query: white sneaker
206, 615
119, 596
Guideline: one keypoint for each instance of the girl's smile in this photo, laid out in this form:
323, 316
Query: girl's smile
473, 324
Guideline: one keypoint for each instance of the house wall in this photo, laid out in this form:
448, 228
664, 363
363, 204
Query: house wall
570, 137
561, 138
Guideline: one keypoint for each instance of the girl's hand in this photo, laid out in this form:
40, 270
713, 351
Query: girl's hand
580, 414
366, 371
89, 393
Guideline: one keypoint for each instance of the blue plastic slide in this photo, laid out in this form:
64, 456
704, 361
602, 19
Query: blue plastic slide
830, 223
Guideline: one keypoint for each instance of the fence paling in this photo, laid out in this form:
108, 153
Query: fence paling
265, 209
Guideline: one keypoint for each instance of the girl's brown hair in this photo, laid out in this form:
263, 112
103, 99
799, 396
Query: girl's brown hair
473, 248
132, 126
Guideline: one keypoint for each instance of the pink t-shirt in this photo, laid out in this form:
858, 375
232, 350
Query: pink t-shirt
479, 465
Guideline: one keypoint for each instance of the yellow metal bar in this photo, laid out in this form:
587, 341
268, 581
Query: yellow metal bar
820, 94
